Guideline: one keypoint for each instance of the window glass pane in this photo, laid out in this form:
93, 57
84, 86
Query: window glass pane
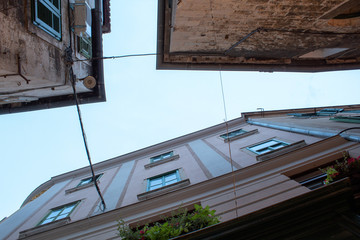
56, 4
155, 181
47, 221
278, 145
154, 159
170, 177
262, 151
67, 209
171, 182
44, 14
54, 213
167, 155
155, 187
61, 216
87, 180
56, 22
83, 182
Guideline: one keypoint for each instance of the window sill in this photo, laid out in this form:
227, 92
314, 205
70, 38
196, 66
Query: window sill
163, 190
74, 189
43, 228
241, 136
280, 151
153, 164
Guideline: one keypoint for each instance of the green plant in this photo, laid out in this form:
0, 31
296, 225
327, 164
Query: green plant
342, 168
179, 223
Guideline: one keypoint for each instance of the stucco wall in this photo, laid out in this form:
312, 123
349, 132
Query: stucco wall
35, 54
204, 161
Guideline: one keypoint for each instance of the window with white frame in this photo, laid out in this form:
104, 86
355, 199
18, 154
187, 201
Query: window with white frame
59, 213
163, 180
267, 146
162, 157
46, 15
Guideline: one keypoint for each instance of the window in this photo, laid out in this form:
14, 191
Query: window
314, 182
163, 180
84, 46
47, 16
161, 157
88, 180
232, 134
267, 146
59, 213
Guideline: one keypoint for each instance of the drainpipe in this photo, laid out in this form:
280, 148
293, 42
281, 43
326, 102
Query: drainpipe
315, 133
97, 49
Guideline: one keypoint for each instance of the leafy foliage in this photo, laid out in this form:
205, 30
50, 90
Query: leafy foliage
342, 168
181, 222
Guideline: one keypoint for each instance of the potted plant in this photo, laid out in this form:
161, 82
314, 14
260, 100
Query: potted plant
346, 167
179, 223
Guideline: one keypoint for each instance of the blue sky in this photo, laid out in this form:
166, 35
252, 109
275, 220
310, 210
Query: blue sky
145, 106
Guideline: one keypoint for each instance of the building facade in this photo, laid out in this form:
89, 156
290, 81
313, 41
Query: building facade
258, 35
46, 45
260, 171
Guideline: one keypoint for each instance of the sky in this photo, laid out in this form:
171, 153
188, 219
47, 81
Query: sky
146, 106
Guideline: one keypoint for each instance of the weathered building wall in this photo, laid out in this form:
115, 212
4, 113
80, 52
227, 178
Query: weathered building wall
234, 33
27, 50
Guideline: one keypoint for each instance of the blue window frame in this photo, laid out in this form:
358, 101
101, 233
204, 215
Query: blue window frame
47, 16
267, 146
163, 180
162, 157
84, 46
232, 134
88, 180
59, 213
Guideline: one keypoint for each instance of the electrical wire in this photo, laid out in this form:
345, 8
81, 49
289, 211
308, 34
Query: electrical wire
229, 145
72, 78
114, 57
347, 129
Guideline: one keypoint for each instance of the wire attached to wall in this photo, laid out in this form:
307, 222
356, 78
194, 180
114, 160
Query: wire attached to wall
72, 78
120, 56
227, 134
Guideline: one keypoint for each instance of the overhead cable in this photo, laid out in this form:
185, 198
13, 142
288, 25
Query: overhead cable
72, 78
229, 145
114, 57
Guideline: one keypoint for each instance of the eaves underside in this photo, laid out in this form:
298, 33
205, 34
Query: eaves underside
246, 47
195, 62
52, 102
